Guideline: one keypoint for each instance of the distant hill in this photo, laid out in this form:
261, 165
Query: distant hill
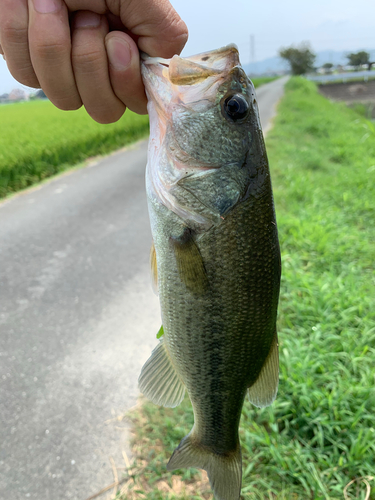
276, 64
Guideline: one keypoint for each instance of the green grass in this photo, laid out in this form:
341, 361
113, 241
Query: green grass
261, 80
364, 109
37, 140
320, 432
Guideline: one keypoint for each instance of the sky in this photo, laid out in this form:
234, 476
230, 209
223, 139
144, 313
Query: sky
337, 25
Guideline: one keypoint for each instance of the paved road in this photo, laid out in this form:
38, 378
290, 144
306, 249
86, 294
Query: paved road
77, 321
268, 96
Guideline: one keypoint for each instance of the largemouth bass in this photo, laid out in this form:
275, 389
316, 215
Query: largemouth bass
216, 257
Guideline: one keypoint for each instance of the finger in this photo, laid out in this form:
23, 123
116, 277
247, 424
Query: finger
14, 41
160, 29
50, 50
125, 71
115, 23
90, 65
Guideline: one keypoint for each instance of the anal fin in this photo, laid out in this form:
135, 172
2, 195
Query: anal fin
263, 392
159, 380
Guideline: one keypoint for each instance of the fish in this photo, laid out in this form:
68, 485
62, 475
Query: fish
215, 257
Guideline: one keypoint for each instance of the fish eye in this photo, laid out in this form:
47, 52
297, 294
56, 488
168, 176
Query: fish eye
236, 107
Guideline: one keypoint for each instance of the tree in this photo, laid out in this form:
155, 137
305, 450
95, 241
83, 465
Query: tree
327, 67
357, 59
38, 95
300, 58
41, 95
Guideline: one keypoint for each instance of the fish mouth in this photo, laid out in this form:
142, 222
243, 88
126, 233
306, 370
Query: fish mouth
194, 69
186, 79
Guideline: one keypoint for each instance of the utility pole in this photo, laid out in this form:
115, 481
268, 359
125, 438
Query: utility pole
252, 48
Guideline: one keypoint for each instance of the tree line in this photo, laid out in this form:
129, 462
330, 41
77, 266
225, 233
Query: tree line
301, 59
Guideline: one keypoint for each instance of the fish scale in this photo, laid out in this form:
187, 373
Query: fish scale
218, 274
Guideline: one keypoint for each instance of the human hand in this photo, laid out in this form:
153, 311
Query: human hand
86, 51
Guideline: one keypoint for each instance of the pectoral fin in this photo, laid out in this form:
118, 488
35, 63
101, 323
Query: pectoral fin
263, 392
154, 269
159, 380
190, 263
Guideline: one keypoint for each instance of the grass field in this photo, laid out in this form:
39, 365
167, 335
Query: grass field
261, 80
37, 140
320, 433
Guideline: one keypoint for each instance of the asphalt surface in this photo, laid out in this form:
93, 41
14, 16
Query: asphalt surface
78, 319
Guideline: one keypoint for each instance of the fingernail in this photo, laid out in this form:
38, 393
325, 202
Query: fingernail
87, 20
47, 6
119, 53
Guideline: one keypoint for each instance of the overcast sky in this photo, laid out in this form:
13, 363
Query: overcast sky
327, 24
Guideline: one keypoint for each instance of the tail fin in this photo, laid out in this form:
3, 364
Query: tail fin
224, 471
